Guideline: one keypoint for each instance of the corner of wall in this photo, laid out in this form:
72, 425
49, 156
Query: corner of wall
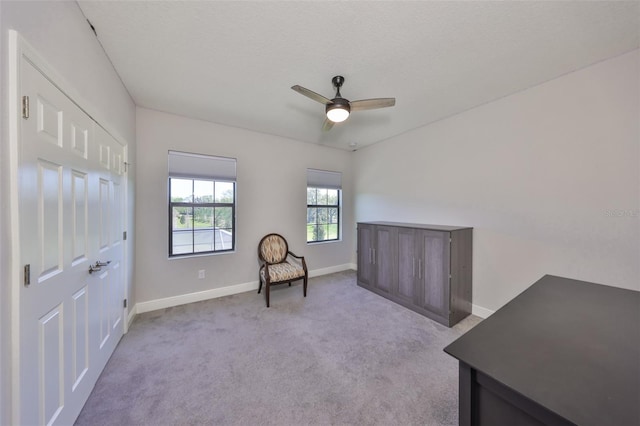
481, 312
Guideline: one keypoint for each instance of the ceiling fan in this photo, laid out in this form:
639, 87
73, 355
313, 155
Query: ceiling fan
339, 108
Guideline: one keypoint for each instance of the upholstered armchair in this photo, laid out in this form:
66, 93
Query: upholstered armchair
278, 265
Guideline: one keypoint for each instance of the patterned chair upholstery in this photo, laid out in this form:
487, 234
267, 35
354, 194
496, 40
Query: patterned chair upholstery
278, 265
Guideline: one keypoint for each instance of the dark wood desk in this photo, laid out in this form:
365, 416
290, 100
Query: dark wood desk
562, 352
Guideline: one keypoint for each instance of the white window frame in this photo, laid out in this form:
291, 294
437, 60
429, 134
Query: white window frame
325, 180
205, 168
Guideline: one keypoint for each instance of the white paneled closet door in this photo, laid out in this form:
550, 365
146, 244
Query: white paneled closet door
71, 208
109, 233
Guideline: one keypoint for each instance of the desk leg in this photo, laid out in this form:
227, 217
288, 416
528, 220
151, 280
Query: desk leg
465, 394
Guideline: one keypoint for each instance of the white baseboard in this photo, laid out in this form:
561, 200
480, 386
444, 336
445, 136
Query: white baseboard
481, 312
132, 314
183, 299
168, 302
330, 270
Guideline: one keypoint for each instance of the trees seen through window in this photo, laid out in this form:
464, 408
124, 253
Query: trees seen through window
202, 216
323, 214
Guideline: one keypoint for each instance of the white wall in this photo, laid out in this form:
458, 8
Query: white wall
60, 33
549, 178
271, 197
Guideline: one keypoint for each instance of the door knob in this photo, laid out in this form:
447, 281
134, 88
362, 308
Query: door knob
98, 266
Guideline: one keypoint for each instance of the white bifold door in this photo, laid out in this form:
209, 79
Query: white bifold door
70, 190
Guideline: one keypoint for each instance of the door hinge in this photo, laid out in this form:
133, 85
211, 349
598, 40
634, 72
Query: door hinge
25, 107
125, 303
124, 236
27, 275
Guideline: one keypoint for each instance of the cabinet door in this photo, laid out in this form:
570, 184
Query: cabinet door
433, 271
384, 258
407, 263
366, 271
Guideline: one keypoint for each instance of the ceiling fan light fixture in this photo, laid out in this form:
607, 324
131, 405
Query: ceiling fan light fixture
338, 110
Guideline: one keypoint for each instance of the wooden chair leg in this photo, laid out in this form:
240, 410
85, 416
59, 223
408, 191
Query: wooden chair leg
260, 281
304, 286
266, 291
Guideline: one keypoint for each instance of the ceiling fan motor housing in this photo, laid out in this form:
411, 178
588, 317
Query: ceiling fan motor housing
338, 103
341, 110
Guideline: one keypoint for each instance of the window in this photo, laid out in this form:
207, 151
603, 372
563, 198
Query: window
323, 205
202, 201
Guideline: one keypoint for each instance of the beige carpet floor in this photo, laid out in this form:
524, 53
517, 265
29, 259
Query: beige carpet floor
341, 356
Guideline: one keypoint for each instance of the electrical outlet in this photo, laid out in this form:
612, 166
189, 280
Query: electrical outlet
201, 274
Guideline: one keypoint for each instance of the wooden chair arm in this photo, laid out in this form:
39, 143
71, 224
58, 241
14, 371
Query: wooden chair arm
265, 266
297, 257
304, 264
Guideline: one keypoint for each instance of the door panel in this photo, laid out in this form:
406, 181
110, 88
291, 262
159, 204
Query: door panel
116, 206
80, 221
80, 329
434, 272
51, 333
79, 140
104, 214
383, 256
365, 253
117, 309
49, 225
105, 330
49, 118
105, 157
406, 265
63, 221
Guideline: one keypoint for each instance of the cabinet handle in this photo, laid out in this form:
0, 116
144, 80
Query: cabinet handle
413, 268
374, 256
420, 268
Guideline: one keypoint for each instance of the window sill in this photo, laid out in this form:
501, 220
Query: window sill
190, 256
313, 243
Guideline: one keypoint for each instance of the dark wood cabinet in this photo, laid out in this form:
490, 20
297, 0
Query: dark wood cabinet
426, 268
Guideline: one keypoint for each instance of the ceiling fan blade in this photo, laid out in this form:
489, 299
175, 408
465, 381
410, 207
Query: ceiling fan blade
311, 94
327, 125
372, 103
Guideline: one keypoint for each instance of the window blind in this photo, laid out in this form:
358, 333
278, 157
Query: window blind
324, 179
199, 166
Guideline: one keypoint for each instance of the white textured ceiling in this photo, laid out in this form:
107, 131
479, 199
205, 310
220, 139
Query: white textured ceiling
233, 62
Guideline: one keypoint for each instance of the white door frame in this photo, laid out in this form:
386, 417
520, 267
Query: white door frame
18, 48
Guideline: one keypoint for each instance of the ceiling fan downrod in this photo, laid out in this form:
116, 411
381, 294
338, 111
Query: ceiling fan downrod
338, 81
